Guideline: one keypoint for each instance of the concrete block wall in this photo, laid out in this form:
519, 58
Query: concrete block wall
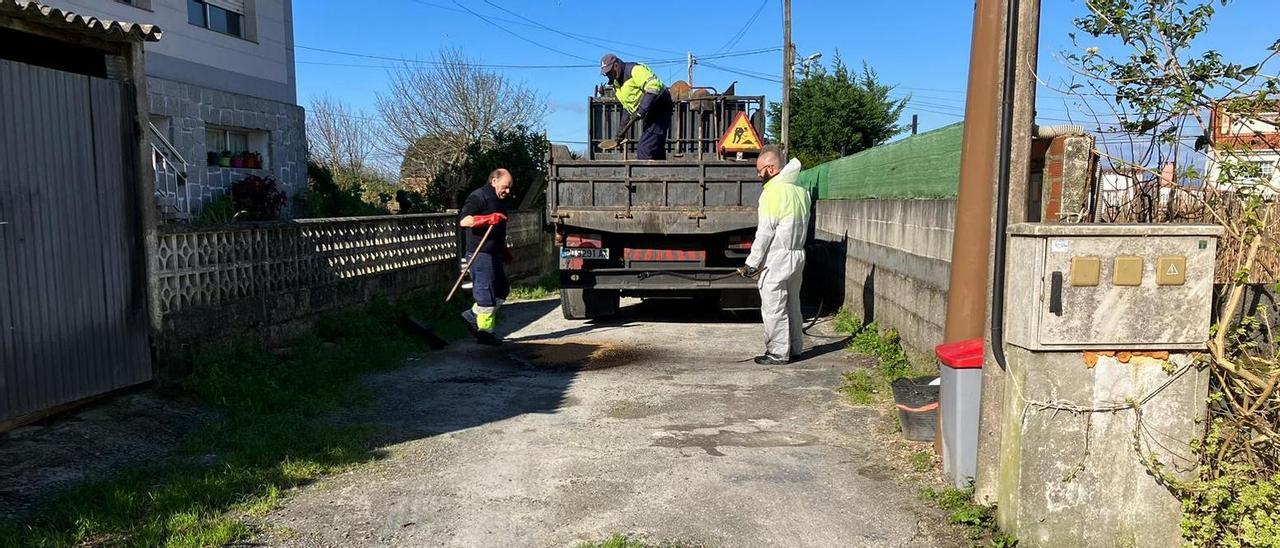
894, 257
189, 109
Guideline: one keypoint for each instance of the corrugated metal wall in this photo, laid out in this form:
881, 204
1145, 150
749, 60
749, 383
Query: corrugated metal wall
72, 283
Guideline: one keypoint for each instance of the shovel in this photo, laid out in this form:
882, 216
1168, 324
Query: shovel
610, 144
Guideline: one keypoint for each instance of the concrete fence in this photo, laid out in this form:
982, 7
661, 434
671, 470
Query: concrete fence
271, 280
894, 257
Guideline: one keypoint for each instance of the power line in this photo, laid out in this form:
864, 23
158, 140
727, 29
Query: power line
502, 65
742, 72
737, 36
557, 31
518, 35
536, 25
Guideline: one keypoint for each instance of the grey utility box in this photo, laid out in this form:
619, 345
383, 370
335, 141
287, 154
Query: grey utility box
1072, 287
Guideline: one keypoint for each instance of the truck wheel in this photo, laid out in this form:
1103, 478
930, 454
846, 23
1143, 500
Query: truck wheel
578, 303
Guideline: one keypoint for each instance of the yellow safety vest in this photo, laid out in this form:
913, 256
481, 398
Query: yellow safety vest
642, 81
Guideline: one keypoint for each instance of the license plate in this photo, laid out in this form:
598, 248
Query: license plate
583, 253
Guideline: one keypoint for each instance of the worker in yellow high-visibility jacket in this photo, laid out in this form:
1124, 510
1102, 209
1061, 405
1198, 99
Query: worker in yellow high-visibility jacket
642, 95
777, 256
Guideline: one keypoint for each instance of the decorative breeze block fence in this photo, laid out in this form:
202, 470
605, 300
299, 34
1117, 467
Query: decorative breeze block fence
209, 266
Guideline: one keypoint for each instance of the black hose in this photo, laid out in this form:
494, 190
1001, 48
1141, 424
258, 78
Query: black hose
1002, 184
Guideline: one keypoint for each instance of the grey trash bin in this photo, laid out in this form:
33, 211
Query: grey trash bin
960, 400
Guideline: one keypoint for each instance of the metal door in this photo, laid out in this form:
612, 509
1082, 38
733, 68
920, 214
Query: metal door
73, 318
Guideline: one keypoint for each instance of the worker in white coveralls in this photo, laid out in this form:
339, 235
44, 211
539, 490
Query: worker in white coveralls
777, 256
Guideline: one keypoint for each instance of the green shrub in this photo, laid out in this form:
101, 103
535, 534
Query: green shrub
220, 211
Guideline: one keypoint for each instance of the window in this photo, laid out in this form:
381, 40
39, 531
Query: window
245, 148
223, 16
143, 4
228, 140
1266, 167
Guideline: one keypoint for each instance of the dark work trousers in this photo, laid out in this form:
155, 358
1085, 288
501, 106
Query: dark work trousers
488, 280
657, 121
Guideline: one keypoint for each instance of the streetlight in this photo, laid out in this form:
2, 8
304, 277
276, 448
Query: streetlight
808, 62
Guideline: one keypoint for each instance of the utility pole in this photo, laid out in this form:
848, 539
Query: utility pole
787, 57
915, 123
691, 69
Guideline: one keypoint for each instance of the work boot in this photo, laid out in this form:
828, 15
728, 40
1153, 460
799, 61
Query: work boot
770, 359
469, 318
488, 338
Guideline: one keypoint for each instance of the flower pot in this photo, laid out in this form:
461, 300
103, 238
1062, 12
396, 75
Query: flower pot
237, 162
224, 161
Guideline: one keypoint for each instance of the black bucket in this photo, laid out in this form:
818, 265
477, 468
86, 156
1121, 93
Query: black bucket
917, 403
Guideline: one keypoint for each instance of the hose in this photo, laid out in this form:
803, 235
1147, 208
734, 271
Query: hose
647, 275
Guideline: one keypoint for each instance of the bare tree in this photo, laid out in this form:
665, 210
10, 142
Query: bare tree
342, 139
434, 110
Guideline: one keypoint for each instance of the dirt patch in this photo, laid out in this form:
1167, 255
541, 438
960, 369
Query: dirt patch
579, 355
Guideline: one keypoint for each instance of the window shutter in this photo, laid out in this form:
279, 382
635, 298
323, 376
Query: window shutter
236, 6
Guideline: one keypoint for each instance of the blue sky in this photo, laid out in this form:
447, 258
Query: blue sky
920, 46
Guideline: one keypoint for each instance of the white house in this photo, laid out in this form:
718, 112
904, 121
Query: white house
1254, 140
221, 80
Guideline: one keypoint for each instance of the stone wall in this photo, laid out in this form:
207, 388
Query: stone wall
188, 110
894, 257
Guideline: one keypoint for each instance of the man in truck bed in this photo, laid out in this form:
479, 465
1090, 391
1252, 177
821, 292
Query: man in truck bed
642, 95
777, 256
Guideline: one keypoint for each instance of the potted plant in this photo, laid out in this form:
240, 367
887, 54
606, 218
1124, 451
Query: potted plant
225, 159
237, 160
257, 160
212, 158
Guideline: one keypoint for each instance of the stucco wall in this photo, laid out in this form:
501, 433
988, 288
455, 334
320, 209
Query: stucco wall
258, 66
894, 257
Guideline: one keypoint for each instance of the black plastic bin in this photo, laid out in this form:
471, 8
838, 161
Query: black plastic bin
917, 403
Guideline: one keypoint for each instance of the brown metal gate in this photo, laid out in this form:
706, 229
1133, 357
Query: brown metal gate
73, 320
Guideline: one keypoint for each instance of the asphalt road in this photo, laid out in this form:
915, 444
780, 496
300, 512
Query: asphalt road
654, 424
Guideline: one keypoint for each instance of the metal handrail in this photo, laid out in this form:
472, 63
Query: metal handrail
169, 149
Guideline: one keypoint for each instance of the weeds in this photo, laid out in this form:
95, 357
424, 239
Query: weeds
865, 387
267, 440
922, 461
546, 286
978, 520
623, 541
845, 323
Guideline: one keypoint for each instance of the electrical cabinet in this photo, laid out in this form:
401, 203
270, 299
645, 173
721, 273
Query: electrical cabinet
1109, 287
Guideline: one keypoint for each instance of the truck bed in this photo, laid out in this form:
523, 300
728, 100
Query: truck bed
665, 197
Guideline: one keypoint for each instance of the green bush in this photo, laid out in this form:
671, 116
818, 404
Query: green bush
341, 195
221, 211
1234, 510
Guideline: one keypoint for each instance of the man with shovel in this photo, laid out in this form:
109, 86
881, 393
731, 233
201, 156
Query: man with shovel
484, 215
644, 97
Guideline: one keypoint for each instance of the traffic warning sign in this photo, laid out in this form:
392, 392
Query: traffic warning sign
740, 137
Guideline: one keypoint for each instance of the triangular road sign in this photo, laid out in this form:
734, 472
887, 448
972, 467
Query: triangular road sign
740, 137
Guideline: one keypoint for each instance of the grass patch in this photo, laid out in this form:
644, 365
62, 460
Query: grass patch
618, 540
845, 323
867, 387
266, 441
978, 520
922, 461
863, 387
546, 286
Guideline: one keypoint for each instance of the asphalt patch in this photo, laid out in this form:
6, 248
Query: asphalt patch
579, 355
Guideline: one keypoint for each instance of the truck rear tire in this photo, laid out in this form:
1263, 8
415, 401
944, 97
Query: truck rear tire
578, 303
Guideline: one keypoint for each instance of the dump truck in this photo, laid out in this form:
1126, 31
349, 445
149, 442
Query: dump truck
674, 228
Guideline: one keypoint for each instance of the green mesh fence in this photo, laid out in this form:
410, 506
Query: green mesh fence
922, 166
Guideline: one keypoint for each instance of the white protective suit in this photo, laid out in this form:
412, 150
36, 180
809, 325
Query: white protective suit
779, 248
